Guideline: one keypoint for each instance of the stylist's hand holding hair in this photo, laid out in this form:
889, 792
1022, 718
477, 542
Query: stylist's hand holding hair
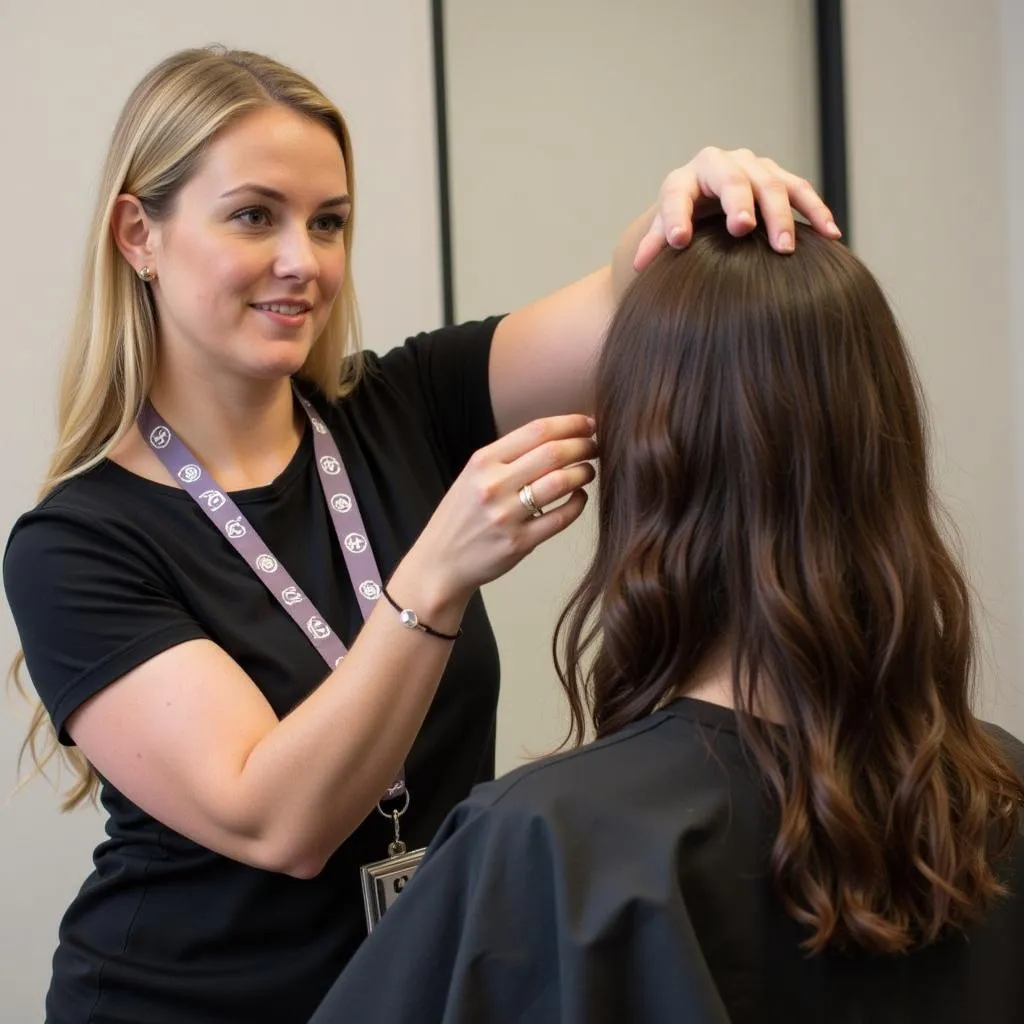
480, 530
735, 181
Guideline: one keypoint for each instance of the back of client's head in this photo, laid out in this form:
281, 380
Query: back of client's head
764, 490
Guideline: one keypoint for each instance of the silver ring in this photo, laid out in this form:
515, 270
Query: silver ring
529, 502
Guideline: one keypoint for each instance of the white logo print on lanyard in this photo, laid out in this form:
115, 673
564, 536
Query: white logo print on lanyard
239, 532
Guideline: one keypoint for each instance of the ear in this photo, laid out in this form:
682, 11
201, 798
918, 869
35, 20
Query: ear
134, 233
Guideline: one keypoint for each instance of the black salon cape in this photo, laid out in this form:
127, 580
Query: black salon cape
626, 882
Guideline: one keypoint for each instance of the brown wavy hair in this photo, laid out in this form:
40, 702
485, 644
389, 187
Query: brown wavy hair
764, 489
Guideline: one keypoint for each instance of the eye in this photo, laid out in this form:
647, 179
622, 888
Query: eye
328, 223
253, 217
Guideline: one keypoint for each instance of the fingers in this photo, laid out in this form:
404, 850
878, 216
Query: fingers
741, 183
673, 223
553, 487
517, 443
802, 197
482, 528
723, 177
550, 458
712, 174
651, 244
778, 193
554, 521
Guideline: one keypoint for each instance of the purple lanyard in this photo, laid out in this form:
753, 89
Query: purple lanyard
240, 534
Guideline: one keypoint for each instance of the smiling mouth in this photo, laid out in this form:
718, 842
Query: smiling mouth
284, 308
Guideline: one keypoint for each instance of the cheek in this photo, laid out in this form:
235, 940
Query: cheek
236, 270
213, 275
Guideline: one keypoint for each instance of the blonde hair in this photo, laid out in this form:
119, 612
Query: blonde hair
159, 141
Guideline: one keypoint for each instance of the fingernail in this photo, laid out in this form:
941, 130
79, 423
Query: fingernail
677, 236
745, 217
785, 242
592, 423
833, 229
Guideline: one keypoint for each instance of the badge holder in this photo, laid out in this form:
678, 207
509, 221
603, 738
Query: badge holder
384, 880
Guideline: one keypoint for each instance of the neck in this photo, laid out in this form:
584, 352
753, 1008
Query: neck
243, 431
712, 682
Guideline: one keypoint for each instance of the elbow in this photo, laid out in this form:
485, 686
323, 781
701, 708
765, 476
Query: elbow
295, 863
278, 844
304, 870
293, 859
287, 845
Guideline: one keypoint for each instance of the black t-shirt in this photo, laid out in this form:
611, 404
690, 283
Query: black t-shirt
628, 881
110, 569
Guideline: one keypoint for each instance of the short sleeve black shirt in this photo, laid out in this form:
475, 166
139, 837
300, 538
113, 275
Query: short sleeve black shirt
110, 569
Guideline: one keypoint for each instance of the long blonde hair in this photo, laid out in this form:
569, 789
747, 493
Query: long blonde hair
157, 145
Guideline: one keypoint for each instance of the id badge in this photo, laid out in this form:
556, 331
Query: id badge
384, 881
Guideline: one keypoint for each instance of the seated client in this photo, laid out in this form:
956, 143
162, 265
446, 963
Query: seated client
790, 811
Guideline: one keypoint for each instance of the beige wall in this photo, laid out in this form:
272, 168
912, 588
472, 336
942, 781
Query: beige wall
931, 105
564, 117
1012, 93
65, 69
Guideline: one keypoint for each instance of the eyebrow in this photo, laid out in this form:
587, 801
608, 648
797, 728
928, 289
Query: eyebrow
280, 197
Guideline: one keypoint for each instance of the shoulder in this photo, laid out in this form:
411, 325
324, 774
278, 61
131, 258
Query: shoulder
423, 359
468, 335
606, 810
618, 775
92, 504
436, 386
71, 507
1010, 745
104, 523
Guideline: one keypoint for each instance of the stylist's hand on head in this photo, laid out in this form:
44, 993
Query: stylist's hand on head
738, 182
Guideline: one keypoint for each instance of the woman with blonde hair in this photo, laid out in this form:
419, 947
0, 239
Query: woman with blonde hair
248, 597
790, 812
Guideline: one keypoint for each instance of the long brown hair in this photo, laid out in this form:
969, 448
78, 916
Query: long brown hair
764, 486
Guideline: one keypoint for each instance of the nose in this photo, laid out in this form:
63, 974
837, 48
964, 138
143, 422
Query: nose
296, 258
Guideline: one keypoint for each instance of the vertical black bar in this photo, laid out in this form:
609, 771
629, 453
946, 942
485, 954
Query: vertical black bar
444, 190
832, 110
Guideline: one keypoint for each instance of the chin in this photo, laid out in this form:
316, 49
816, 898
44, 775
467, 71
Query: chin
276, 369
272, 362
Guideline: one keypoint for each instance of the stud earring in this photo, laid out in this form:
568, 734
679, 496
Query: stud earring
145, 274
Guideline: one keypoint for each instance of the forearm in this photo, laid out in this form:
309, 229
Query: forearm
310, 781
